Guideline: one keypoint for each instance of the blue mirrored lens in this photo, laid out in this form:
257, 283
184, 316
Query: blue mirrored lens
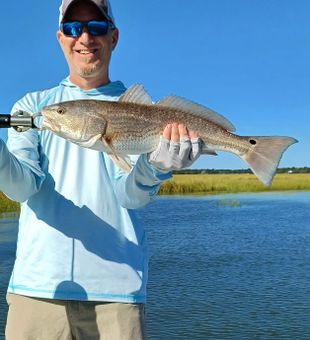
72, 29
97, 27
75, 28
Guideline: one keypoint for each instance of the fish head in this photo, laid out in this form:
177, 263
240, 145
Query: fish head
76, 121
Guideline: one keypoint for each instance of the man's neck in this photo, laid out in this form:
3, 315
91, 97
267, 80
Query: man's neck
89, 83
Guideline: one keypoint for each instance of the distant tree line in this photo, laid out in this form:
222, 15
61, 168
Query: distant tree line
303, 170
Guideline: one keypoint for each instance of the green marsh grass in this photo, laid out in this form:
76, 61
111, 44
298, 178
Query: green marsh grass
200, 184
8, 206
231, 183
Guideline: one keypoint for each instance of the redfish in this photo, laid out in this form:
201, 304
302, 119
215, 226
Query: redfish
133, 125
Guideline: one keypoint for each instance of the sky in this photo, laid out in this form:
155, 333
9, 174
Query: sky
246, 59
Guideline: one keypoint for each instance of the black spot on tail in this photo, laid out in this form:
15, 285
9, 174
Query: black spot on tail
253, 141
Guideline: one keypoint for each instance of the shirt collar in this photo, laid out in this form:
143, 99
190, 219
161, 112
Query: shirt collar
115, 88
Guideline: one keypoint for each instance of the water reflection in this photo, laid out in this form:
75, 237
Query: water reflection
8, 228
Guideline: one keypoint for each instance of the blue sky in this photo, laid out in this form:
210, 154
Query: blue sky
247, 59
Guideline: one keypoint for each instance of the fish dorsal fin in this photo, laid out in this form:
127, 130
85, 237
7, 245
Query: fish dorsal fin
136, 94
197, 109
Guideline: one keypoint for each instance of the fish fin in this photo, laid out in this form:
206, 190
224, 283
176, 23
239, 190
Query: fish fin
265, 156
88, 143
120, 161
136, 94
199, 110
207, 151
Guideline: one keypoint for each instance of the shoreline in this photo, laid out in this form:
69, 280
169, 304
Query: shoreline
219, 193
213, 184
209, 184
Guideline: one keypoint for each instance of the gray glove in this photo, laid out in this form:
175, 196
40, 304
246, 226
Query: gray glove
171, 155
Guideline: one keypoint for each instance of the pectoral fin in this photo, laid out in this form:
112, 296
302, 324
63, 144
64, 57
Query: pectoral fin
120, 161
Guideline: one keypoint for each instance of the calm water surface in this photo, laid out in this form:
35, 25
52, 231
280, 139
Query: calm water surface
221, 267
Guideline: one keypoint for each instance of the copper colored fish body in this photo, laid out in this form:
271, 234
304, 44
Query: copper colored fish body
133, 125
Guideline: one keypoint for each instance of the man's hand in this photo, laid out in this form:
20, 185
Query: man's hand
178, 148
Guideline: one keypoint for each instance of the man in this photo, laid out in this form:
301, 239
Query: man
81, 262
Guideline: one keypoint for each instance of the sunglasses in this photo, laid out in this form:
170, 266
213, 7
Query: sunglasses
94, 28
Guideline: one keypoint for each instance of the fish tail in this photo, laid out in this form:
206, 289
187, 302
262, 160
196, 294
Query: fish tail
265, 156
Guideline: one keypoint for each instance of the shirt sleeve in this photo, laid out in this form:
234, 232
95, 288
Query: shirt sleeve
137, 188
20, 173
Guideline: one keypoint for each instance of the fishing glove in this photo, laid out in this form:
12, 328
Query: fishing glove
171, 155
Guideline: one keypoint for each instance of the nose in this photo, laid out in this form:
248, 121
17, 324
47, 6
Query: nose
85, 37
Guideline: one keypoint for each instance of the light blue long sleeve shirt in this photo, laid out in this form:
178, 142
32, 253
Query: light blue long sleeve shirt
78, 238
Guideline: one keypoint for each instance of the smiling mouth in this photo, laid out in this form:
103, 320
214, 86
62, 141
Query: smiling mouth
87, 52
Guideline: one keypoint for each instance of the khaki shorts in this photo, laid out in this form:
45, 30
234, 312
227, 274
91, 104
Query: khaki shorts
44, 319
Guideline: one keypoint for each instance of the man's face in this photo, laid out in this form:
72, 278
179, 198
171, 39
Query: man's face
87, 56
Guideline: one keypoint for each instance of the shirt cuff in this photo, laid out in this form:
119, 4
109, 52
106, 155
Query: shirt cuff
161, 175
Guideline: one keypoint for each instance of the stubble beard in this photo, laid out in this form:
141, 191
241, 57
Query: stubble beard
88, 71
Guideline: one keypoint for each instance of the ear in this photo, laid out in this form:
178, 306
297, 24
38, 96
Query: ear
59, 36
115, 36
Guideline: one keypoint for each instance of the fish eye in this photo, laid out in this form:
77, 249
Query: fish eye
61, 111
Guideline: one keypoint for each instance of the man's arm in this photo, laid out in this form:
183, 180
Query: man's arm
20, 173
136, 189
19, 178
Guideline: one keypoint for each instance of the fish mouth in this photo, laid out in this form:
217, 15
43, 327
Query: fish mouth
38, 121
45, 124
49, 125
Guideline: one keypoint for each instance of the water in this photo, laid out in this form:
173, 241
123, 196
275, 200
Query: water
221, 267
8, 233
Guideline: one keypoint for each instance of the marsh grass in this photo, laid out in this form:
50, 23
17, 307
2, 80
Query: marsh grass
8, 206
200, 184
231, 183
